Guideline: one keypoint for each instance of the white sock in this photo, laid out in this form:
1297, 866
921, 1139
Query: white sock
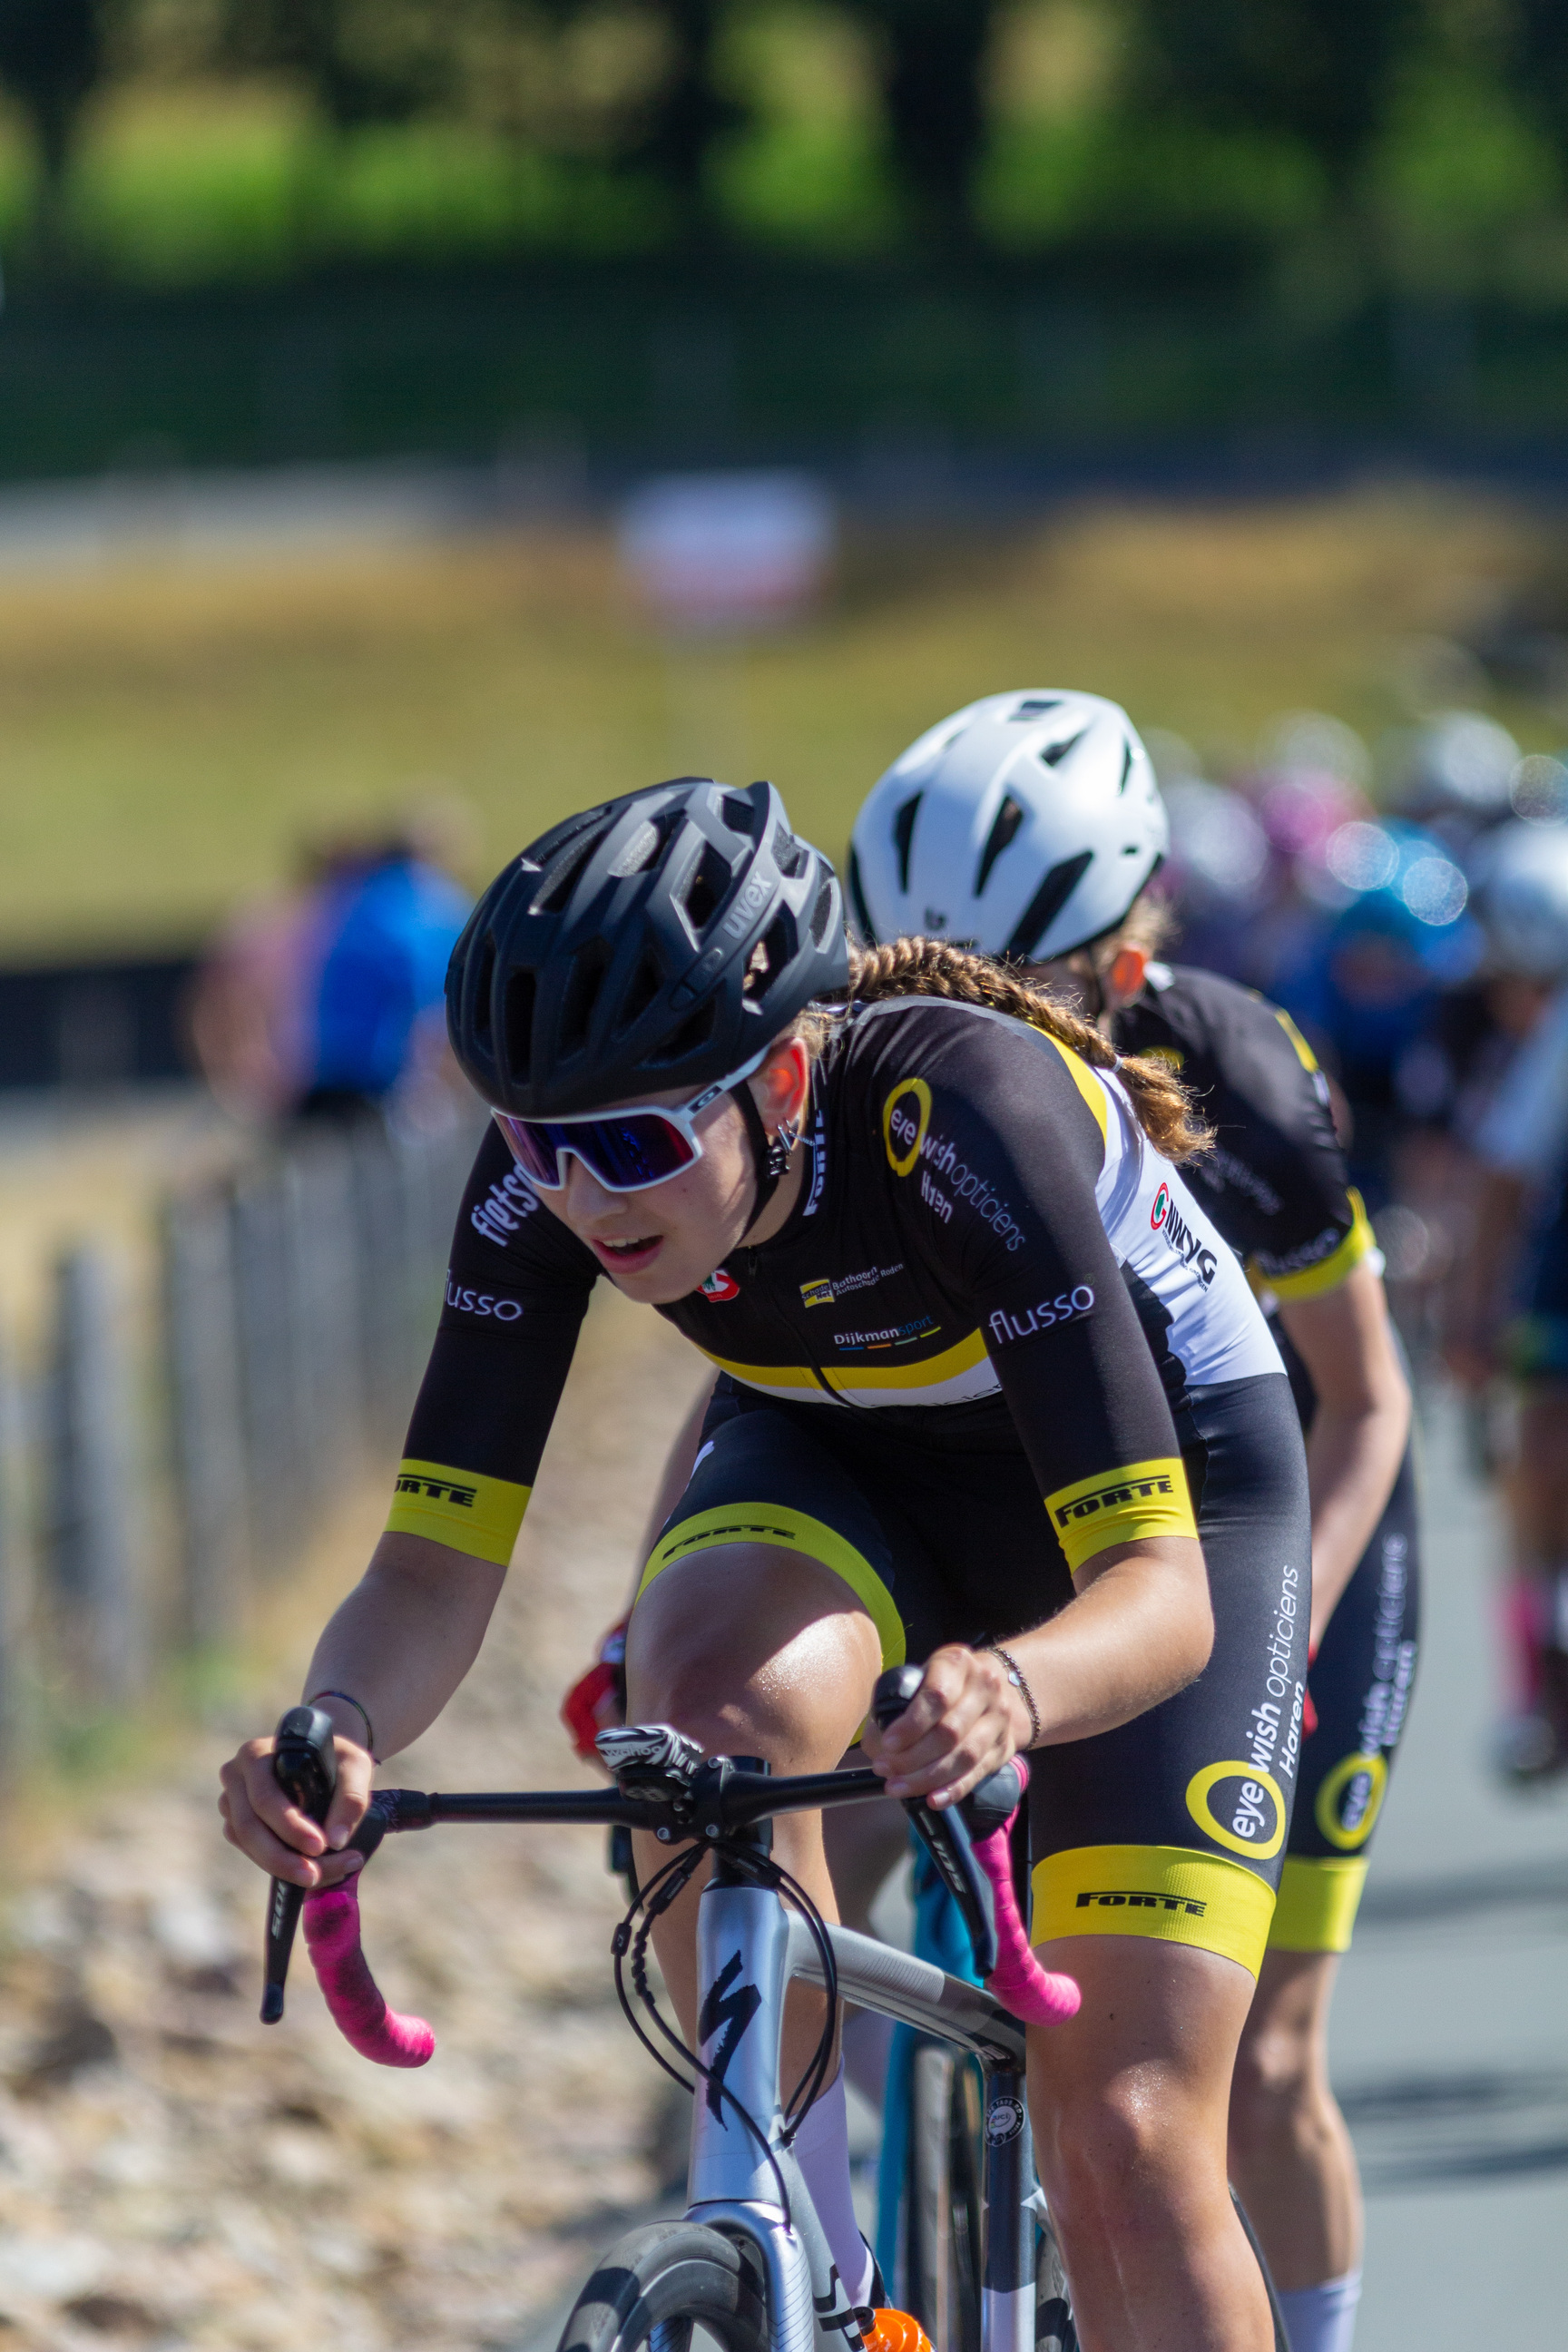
821, 2151
1322, 2318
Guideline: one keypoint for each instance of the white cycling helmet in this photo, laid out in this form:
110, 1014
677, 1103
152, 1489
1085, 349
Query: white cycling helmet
1024, 826
1522, 898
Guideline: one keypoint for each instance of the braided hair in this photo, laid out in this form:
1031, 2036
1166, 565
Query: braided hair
918, 966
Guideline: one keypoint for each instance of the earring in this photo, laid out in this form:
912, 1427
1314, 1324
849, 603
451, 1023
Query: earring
781, 1146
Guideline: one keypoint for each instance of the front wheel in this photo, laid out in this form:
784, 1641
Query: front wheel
658, 2284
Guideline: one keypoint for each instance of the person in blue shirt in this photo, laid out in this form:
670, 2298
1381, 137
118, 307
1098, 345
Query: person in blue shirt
386, 923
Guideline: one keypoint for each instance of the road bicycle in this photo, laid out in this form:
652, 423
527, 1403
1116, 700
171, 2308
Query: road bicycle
748, 2263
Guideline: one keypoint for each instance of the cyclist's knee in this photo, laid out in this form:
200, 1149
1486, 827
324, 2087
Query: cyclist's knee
1104, 2159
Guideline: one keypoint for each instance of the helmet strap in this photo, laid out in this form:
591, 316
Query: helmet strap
770, 1154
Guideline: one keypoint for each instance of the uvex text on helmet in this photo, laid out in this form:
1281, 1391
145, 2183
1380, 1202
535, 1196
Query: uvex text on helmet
1024, 826
657, 942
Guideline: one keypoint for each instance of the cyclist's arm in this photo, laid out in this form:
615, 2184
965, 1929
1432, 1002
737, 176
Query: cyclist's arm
1359, 1431
402, 1642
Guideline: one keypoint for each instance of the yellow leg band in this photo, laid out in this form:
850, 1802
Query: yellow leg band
773, 1523
1319, 1898
1166, 1892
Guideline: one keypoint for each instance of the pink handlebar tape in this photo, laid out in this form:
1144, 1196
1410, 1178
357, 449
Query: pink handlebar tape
1019, 1981
350, 1992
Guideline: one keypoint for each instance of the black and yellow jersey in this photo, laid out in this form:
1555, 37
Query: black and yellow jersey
986, 1254
1275, 1182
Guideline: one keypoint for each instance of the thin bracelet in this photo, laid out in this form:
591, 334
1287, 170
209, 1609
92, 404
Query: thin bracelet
349, 1700
1015, 1677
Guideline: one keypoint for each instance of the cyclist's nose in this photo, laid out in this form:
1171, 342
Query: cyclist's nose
587, 1206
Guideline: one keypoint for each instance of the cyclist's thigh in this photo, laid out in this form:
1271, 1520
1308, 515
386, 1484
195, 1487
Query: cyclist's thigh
764, 1483
1172, 1828
1360, 1683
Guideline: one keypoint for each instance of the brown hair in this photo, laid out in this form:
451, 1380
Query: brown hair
932, 968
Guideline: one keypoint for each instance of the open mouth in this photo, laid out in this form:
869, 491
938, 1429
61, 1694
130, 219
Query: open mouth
629, 1257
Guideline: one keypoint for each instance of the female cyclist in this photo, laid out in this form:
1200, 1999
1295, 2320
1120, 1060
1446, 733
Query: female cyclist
1024, 824
988, 1375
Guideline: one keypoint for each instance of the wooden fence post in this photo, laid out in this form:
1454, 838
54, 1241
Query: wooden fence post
101, 1617
202, 1336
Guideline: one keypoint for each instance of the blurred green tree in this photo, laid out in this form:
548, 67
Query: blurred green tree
1319, 72
361, 60
932, 59
51, 54
1536, 34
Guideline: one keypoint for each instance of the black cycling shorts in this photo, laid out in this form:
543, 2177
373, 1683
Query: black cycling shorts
1173, 1826
1360, 1684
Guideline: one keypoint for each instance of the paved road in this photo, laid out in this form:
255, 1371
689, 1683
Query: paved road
1451, 2024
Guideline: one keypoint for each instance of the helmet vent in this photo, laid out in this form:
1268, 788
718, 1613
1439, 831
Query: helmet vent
769, 957
904, 836
1047, 903
1009, 817
689, 1038
1053, 754
558, 882
858, 899
637, 853
1126, 766
643, 988
792, 857
521, 990
1035, 706
582, 994
706, 890
820, 913
737, 813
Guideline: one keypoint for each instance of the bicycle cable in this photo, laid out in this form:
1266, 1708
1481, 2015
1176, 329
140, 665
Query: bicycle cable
632, 1935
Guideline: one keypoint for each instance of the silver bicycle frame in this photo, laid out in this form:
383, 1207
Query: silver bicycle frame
748, 1948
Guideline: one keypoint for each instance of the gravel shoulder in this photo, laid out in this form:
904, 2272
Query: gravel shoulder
172, 2173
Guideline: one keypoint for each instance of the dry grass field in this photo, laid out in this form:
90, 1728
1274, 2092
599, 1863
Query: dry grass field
169, 734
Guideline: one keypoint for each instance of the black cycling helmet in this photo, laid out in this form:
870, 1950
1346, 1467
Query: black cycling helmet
656, 941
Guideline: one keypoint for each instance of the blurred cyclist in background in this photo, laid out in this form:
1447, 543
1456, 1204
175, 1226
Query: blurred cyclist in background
1014, 826
326, 1002
1510, 1308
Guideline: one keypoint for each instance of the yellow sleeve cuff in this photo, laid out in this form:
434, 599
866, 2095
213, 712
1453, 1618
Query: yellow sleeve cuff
459, 1508
1328, 1274
1117, 1506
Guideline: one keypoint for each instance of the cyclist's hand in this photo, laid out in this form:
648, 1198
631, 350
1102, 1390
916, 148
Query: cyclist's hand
263, 1821
962, 1724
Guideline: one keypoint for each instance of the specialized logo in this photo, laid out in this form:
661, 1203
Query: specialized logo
1350, 1799
502, 1211
499, 1304
731, 2007
1004, 2120
844, 1286
1166, 1219
1117, 1899
1240, 1807
904, 1128
439, 1490
1065, 1307
1114, 1498
720, 1286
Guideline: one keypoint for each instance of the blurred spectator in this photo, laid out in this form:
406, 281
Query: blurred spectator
327, 1004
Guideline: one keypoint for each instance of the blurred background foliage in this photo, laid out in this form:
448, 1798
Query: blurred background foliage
1315, 148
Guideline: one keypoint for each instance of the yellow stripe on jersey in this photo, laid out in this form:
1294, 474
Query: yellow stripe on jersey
1084, 1079
1165, 1892
1117, 1507
459, 1507
792, 1531
910, 1379
1312, 1281
1319, 1898
1304, 1053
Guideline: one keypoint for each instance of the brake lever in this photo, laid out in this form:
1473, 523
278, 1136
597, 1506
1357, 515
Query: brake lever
943, 1832
305, 1765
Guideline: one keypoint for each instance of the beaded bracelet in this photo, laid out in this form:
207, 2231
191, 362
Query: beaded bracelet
1015, 1677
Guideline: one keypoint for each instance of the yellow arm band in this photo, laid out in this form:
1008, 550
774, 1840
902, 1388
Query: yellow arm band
457, 1507
1117, 1506
1328, 1274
